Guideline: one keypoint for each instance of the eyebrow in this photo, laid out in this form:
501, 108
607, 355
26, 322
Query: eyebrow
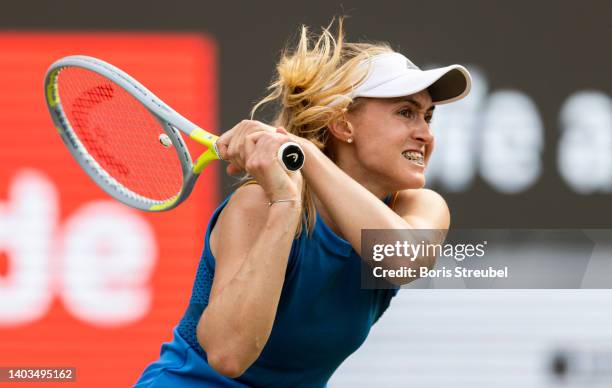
415, 103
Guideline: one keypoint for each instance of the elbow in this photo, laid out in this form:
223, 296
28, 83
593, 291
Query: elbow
428, 262
226, 364
226, 358
421, 264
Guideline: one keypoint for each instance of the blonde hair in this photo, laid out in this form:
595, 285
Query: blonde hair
312, 86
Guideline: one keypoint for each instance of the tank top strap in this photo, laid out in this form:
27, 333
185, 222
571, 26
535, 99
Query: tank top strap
391, 199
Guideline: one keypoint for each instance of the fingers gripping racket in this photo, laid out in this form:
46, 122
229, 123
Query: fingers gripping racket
128, 140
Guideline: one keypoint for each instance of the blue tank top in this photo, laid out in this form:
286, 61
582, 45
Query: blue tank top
323, 316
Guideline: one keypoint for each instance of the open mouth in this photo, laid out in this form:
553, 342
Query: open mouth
415, 157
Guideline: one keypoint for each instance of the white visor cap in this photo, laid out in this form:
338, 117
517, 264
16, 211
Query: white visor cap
393, 75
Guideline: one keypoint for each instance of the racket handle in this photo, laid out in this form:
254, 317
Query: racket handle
291, 156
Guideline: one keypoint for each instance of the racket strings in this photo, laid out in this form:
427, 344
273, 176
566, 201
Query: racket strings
120, 134
92, 138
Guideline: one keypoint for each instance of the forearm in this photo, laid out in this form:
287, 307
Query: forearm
236, 325
351, 206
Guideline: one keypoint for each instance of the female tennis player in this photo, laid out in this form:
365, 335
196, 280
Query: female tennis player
277, 300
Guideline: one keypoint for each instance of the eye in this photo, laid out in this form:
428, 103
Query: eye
406, 112
428, 118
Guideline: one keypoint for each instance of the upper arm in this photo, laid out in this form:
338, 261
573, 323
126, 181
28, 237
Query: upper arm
427, 214
235, 232
423, 209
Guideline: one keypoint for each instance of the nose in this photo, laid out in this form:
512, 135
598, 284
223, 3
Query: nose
422, 133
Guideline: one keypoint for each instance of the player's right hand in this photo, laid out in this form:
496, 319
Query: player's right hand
261, 162
252, 146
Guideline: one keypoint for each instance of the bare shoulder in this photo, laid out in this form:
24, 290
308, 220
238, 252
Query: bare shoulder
424, 208
249, 201
241, 219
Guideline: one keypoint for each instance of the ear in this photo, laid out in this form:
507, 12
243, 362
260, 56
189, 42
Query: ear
341, 129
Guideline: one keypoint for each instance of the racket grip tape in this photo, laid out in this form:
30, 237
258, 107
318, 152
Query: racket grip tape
291, 156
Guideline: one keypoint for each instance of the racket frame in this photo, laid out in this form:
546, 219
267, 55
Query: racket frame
171, 122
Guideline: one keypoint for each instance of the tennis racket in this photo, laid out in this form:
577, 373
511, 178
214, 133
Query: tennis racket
128, 140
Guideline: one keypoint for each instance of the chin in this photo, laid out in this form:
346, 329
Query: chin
417, 184
413, 180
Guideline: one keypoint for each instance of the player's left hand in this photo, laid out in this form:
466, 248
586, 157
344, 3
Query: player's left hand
231, 145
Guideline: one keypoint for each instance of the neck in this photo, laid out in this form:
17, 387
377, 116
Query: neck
365, 179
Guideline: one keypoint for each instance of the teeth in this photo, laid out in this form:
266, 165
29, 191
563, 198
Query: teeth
414, 156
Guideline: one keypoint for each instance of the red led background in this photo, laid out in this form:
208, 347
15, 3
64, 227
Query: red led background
47, 203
